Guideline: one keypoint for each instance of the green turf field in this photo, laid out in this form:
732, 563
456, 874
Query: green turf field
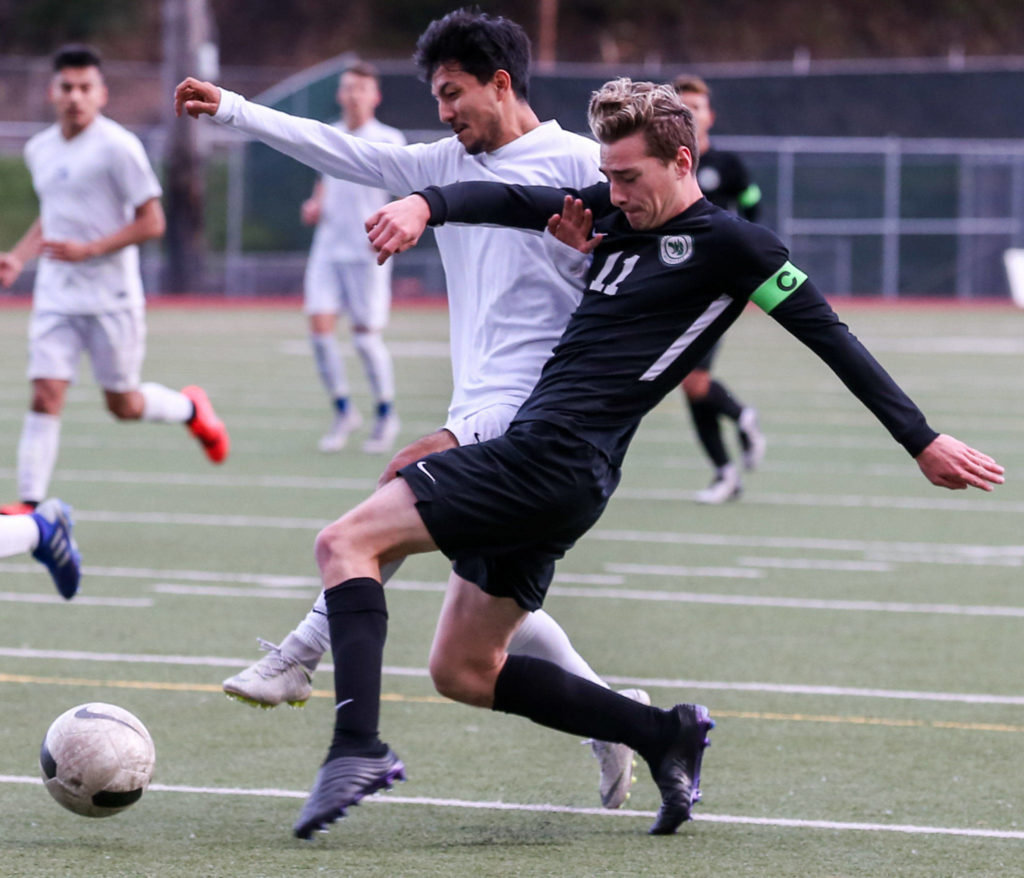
857, 633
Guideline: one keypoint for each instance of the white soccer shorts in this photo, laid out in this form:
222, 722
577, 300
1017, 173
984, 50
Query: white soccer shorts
362, 290
115, 342
482, 425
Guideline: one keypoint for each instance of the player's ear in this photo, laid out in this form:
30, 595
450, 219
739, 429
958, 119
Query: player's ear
684, 161
502, 82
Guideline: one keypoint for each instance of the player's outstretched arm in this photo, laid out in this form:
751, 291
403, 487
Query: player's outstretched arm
196, 98
950, 463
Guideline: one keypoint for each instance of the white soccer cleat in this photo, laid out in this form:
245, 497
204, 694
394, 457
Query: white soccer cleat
273, 680
344, 423
385, 431
725, 486
617, 762
751, 438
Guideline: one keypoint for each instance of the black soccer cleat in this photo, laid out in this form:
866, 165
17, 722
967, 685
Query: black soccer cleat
344, 781
677, 775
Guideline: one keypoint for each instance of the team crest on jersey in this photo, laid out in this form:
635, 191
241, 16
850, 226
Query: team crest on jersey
675, 249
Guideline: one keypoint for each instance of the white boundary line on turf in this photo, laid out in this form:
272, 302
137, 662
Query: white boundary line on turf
14, 597
667, 597
650, 682
389, 799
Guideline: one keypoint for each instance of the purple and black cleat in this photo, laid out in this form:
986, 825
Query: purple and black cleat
677, 775
344, 781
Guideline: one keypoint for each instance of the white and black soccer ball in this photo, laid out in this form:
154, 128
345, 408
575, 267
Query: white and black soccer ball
97, 759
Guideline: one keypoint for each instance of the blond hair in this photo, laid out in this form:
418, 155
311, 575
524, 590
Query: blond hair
622, 107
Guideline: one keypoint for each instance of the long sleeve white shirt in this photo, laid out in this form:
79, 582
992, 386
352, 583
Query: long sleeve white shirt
507, 303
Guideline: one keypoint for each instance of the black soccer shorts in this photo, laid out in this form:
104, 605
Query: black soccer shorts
504, 511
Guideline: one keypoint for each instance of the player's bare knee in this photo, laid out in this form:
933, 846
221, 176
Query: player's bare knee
124, 407
331, 543
697, 384
457, 682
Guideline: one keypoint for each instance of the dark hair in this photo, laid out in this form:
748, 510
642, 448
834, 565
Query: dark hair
479, 44
76, 55
363, 68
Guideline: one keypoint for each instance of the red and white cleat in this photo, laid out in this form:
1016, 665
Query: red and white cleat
206, 426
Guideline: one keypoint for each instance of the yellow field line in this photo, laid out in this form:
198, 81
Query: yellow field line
187, 687
437, 699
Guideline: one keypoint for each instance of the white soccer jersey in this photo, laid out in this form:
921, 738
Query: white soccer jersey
88, 188
340, 235
507, 303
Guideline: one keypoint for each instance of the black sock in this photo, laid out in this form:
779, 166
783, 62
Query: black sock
705, 421
723, 402
551, 696
358, 618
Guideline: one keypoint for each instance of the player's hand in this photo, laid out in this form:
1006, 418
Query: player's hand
439, 441
10, 268
574, 225
397, 226
68, 251
196, 97
310, 212
949, 463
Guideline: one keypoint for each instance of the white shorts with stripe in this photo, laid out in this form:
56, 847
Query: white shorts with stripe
115, 342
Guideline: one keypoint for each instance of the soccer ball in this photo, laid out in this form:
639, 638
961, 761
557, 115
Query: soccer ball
97, 759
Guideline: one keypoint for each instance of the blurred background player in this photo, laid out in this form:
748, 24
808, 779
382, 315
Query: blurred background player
46, 533
507, 303
343, 275
98, 200
724, 180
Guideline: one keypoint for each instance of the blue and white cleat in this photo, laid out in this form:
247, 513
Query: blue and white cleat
677, 775
344, 781
57, 548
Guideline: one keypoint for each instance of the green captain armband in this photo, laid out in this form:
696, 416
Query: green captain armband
778, 287
749, 196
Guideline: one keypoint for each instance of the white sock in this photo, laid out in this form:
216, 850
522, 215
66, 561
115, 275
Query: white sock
314, 630
37, 455
329, 364
540, 636
376, 357
18, 534
160, 403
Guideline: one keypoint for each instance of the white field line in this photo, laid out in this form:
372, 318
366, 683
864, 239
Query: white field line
652, 682
209, 480
853, 501
427, 801
667, 597
296, 523
82, 600
272, 580
680, 572
972, 551
816, 564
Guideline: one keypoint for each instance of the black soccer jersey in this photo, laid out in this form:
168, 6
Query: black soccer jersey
725, 181
657, 300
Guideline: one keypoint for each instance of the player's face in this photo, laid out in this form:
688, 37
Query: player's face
646, 189
78, 94
703, 115
358, 96
470, 107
